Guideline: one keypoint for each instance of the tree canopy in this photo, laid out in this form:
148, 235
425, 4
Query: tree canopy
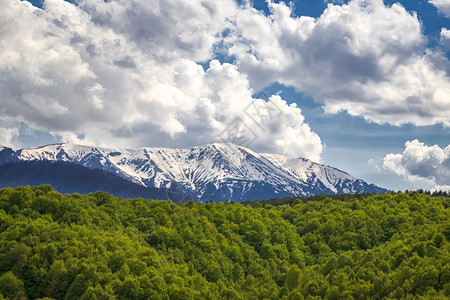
97, 246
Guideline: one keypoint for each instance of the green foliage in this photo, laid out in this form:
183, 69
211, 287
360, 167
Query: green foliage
11, 286
55, 246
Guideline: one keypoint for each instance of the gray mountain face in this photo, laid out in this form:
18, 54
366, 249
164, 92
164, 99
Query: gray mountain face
215, 172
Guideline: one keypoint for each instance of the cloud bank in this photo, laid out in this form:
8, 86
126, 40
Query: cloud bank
130, 73
126, 73
421, 162
363, 57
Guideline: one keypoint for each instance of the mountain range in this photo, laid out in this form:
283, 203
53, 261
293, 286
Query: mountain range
66, 177
215, 172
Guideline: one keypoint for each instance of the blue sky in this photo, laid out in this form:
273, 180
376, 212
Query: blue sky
363, 86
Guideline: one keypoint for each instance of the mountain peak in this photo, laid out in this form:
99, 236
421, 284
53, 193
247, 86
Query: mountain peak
217, 171
220, 146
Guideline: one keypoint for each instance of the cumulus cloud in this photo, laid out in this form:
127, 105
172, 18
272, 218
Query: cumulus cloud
362, 57
189, 29
445, 38
127, 74
443, 6
421, 162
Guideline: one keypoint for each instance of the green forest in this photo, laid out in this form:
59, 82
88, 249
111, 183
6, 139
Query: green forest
96, 246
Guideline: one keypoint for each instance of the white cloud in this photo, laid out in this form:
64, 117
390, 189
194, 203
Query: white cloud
375, 164
442, 188
443, 6
363, 57
9, 136
334, 1
125, 73
188, 28
421, 162
445, 38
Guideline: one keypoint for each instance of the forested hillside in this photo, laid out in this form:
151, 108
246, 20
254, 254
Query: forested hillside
100, 247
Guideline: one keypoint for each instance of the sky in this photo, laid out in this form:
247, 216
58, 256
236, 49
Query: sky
361, 85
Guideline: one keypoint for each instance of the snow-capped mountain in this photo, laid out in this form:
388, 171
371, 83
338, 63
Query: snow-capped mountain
212, 172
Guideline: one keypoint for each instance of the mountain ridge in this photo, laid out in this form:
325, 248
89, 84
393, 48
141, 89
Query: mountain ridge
215, 172
67, 177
